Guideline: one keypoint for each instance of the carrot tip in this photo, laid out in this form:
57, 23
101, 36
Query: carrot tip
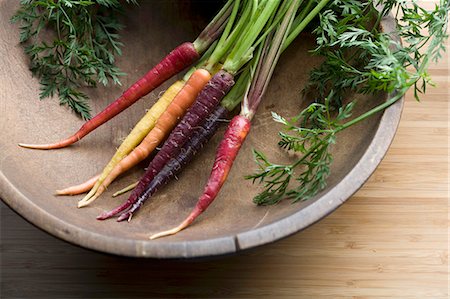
166, 233
89, 198
125, 190
82, 203
33, 146
61, 192
125, 216
103, 216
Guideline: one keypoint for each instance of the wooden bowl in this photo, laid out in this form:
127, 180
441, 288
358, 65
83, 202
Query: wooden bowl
28, 178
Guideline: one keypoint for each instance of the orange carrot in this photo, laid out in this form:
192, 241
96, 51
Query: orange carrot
140, 130
177, 60
77, 189
164, 125
239, 126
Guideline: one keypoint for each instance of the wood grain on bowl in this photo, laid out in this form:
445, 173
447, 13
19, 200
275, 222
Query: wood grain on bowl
29, 178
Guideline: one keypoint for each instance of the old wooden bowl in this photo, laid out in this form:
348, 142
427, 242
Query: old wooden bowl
28, 178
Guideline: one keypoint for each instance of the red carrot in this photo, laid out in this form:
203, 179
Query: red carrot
235, 60
185, 154
240, 125
168, 120
206, 101
177, 60
225, 156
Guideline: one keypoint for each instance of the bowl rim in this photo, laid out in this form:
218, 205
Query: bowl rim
254, 237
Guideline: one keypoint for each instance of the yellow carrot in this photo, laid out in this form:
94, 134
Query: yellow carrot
77, 189
163, 126
138, 133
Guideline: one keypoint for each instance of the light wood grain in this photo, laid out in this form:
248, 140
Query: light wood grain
389, 240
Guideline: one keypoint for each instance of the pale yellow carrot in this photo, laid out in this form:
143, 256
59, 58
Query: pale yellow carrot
163, 126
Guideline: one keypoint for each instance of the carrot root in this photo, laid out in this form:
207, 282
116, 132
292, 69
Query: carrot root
180, 227
66, 142
78, 189
125, 190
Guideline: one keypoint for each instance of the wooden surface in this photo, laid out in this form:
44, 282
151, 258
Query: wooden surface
389, 240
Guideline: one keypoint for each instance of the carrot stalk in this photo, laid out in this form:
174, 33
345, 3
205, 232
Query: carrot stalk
165, 123
226, 154
177, 60
77, 189
140, 130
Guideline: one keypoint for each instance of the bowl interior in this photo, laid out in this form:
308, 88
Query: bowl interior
31, 177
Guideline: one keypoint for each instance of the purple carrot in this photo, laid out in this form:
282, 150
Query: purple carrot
240, 125
198, 139
206, 101
226, 153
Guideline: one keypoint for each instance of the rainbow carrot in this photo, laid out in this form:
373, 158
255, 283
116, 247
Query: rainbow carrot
226, 153
238, 57
81, 188
165, 123
140, 130
188, 145
196, 141
177, 60
189, 92
239, 126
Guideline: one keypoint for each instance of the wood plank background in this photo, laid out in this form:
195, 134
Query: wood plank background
389, 240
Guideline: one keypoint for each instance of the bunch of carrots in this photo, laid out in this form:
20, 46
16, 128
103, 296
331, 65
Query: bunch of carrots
236, 54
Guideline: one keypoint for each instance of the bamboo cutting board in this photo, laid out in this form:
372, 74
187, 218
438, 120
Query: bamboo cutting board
389, 240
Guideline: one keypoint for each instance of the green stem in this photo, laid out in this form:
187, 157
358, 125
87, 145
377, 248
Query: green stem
302, 14
281, 12
222, 48
243, 51
237, 93
378, 108
221, 44
307, 154
294, 33
209, 34
266, 64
